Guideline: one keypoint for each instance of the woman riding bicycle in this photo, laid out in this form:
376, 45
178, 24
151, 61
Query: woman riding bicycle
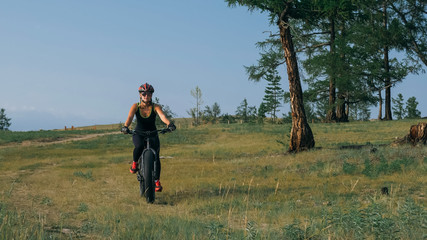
145, 112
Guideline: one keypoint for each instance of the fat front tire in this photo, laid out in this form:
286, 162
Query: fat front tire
140, 178
148, 182
141, 188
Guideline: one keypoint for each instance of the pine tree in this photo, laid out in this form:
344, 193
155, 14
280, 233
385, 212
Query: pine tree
262, 110
379, 33
284, 14
211, 114
398, 109
216, 110
4, 121
411, 108
413, 17
273, 93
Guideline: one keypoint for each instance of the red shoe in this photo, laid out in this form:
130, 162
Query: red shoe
134, 167
159, 187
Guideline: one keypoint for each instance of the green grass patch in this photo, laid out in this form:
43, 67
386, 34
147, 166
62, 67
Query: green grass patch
87, 175
83, 207
349, 168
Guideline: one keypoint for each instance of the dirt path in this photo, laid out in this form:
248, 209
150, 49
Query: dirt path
56, 141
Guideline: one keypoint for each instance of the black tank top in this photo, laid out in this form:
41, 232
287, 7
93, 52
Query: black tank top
145, 123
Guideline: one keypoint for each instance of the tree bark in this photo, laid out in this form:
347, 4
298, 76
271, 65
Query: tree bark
387, 80
341, 112
380, 103
347, 109
301, 135
331, 116
387, 83
418, 134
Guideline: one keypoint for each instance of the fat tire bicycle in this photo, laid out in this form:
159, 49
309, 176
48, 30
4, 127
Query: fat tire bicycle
146, 165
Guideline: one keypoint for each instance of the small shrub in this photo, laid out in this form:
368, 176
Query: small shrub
46, 201
83, 207
293, 231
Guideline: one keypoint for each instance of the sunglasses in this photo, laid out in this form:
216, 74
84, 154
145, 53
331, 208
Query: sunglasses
146, 93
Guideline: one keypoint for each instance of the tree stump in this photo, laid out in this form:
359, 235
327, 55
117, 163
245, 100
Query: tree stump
417, 135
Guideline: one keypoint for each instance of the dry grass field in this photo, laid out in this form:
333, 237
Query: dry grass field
220, 182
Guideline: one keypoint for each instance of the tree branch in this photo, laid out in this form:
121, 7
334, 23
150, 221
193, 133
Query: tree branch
316, 33
271, 34
314, 46
415, 47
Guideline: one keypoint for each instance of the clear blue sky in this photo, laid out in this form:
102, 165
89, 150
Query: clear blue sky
80, 63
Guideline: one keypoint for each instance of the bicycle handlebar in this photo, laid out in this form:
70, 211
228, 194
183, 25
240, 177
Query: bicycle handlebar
148, 133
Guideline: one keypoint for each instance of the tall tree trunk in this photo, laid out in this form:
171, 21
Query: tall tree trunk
380, 103
387, 84
301, 135
347, 110
274, 115
331, 116
387, 80
341, 113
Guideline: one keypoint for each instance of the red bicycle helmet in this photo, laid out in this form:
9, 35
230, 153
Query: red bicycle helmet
146, 88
